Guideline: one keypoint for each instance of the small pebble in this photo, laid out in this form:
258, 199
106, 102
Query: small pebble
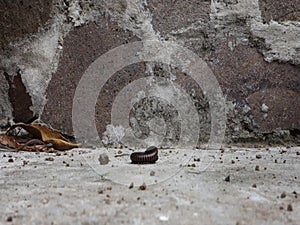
109, 188
191, 165
143, 187
258, 156
49, 159
163, 218
131, 185
103, 159
227, 179
9, 219
282, 151
119, 201
289, 208
152, 173
10, 160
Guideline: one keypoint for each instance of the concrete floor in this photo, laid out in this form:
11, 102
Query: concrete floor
73, 188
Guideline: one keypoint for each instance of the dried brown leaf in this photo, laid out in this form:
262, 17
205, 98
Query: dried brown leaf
9, 141
47, 135
12, 144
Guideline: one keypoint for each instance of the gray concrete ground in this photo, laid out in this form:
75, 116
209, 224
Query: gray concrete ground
233, 186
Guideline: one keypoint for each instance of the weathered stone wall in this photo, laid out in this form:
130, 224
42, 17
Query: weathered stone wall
251, 46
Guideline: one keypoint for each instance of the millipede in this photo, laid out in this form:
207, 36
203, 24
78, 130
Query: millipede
149, 156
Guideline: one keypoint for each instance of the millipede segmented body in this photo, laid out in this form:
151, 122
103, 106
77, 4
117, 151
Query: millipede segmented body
149, 156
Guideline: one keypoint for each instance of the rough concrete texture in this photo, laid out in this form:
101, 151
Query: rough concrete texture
21, 18
289, 10
5, 105
252, 47
233, 186
171, 15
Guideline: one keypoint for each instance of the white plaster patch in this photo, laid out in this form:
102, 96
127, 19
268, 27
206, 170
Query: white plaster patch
137, 18
75, 13
281, 39
37, 62
113, 134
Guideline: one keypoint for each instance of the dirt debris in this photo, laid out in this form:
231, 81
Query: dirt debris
227, 179
131, 185
10, 160
283, 195
289, 208
143, 187
49, 159
258, 156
